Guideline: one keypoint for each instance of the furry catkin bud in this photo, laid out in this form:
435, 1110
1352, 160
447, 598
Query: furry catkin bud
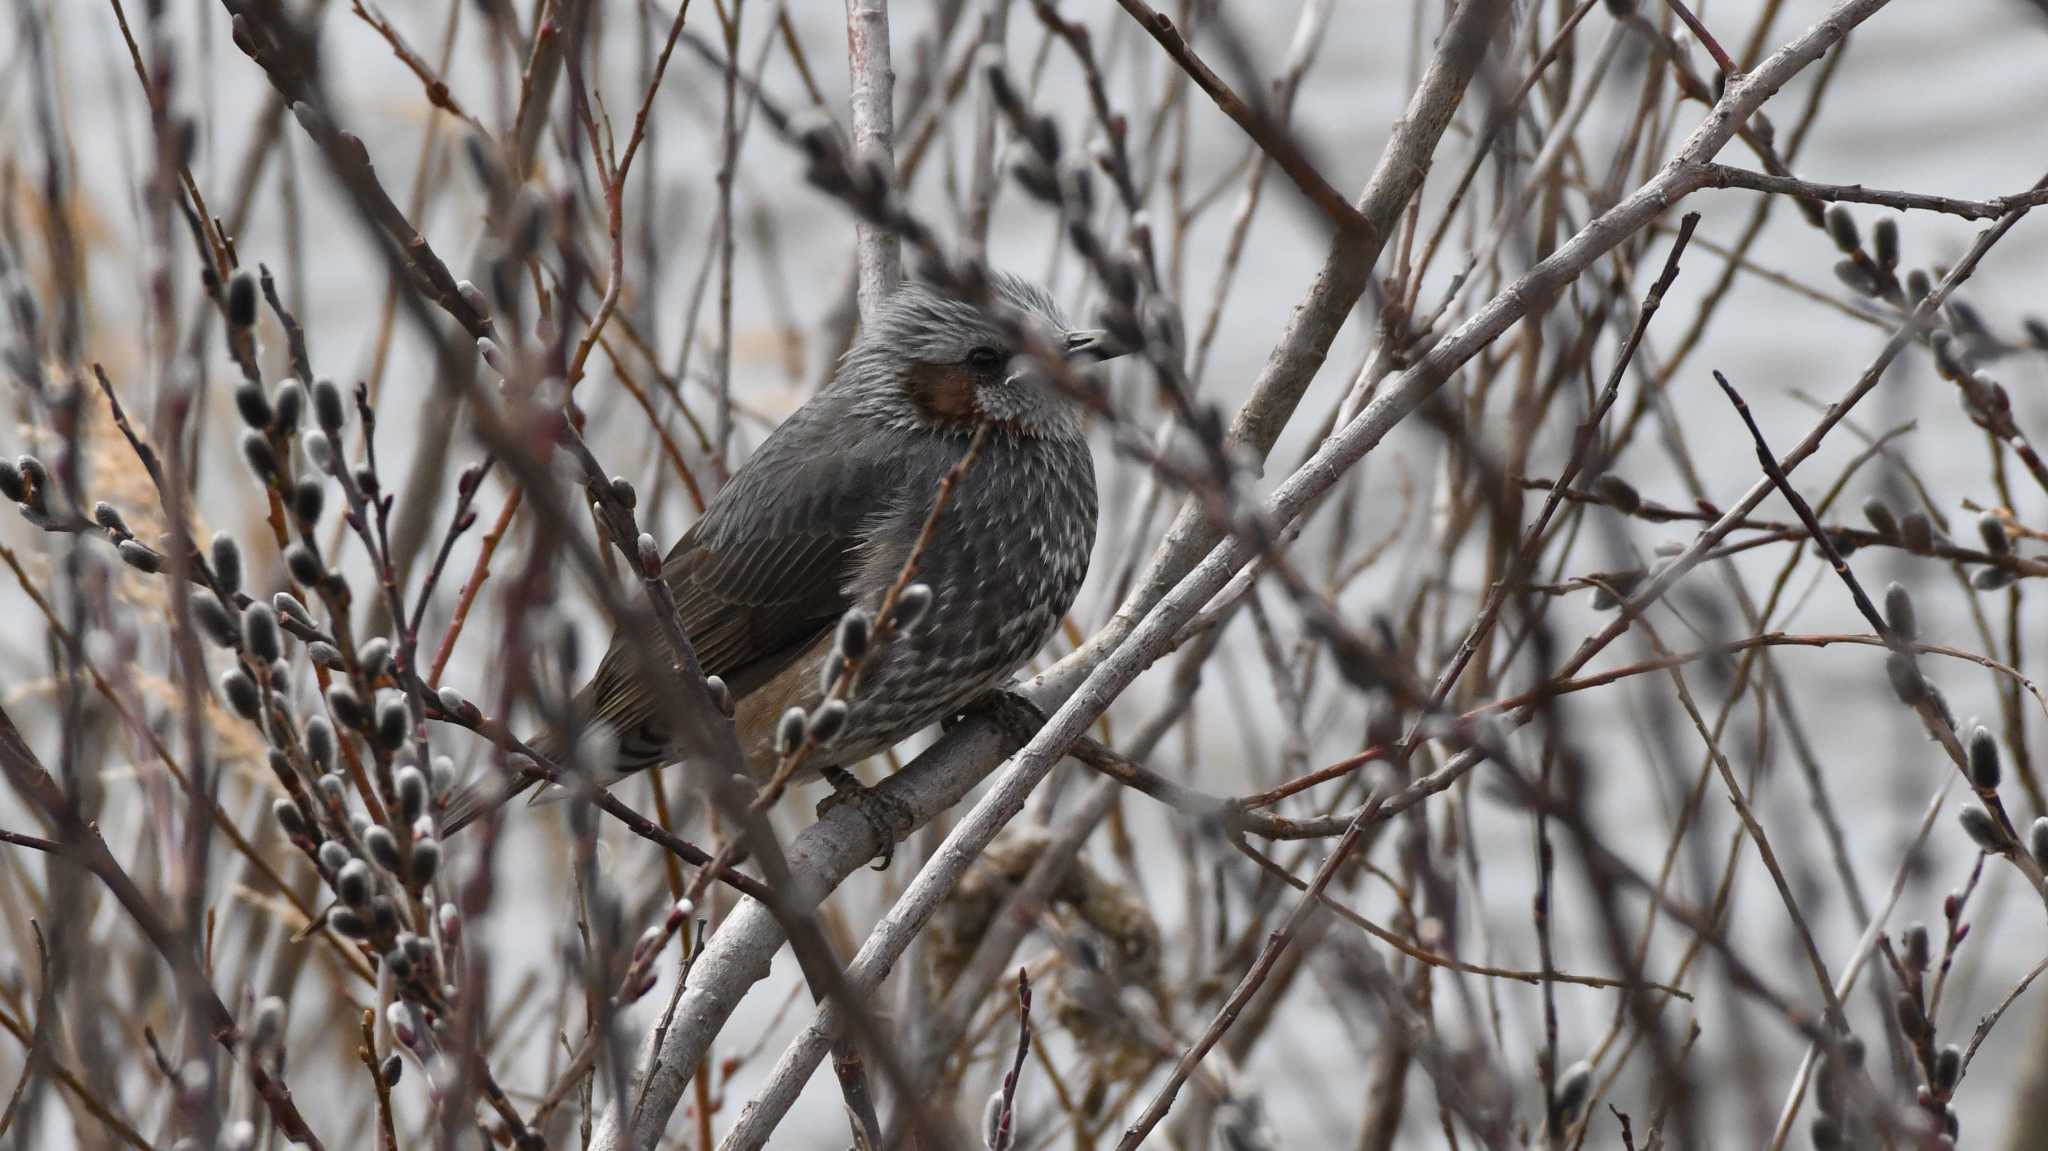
426, 861
1991, 579
1882, 520
290, 402
1984, 767
309, 499
1918, 284
1981, 828
1948, 1069
994, 1132
346, 707
353, 884
1077, 186
109, 517
334, 855
375, 656
828, 721
38, 477
241, 301
648, 941
214, 620
648, 553
1947, 359
412, 793
347, 924
399, 1017
473, 296
440, 774
789, 733
2037, 841
304, 564
262, 458
393, 1070
1618, 493
334, 792
1907, 682
1964, 315
1899, 614
1842, 229
227, 562
1918, 950
1992, 530
11, 484
319, 449
721, 695
254, 405
416, 946
383, 914
911, 605
1912, 1024
622, 490
383, 848
494, 356
1856, 277
326, 655
259, 632
1884, 239
1044, 132
266, 1031
1916, 532
831, 670
394, 721
138, 555
240, 692
1939, 701
1573, 1088
854, 633
452, 702
289, 817
329, 410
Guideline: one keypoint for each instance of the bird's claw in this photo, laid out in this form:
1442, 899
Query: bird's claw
1011, 711
891, 818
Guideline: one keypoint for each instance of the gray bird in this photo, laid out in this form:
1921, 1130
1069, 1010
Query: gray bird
822, 517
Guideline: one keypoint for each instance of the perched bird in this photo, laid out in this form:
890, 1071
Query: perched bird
822, 517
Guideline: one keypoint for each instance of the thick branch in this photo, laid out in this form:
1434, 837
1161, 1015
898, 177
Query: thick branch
874, 137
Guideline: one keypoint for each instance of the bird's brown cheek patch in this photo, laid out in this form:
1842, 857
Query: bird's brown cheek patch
944, 392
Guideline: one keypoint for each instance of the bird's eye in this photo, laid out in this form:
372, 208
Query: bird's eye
984, 358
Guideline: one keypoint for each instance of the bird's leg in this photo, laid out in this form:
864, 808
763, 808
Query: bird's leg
891, 818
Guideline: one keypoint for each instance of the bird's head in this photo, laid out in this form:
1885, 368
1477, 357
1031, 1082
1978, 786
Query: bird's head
937, 362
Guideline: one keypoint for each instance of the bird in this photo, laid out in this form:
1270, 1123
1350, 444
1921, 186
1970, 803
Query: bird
820, 522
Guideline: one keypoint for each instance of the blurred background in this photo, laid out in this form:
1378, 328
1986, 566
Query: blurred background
1934, 98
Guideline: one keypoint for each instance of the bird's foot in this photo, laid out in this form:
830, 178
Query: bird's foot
891, 818
1012, 712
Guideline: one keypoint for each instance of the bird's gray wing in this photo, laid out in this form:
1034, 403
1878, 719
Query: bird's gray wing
761, 577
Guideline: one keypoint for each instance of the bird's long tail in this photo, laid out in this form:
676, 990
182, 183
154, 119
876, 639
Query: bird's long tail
610, 702
478, 797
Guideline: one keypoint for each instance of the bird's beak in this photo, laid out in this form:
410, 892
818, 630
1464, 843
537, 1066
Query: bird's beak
1094, 346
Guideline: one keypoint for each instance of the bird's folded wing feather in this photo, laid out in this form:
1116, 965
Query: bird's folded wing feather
763, 575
